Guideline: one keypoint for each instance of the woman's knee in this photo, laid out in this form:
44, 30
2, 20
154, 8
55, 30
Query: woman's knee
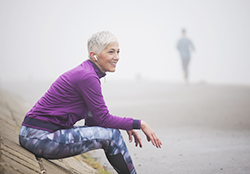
116, 134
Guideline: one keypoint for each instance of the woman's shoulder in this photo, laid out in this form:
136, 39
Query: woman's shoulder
84, 70
81, 73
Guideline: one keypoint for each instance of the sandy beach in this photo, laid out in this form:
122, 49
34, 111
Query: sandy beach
204, 128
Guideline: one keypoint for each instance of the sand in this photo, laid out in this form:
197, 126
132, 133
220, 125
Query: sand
204, 128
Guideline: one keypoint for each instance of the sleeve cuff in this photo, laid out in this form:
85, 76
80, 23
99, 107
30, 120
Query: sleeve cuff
136, 124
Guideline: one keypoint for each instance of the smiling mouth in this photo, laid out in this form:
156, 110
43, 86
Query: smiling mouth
113, 63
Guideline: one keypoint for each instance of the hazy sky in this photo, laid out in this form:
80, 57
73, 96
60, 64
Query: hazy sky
42, 39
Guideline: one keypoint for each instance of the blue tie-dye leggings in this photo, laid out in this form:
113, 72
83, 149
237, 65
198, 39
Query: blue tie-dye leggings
69, 142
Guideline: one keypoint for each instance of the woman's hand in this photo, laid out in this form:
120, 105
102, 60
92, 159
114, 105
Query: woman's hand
151, 136
137, 138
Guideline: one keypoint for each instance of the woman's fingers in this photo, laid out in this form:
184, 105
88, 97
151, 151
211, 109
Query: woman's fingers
155, 140
148, 138
137, 138
151, 136
130, 136
136, 142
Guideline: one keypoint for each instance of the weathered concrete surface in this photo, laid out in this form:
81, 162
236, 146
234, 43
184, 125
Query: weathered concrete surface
13, 158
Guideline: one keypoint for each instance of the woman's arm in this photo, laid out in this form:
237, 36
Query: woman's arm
90, 90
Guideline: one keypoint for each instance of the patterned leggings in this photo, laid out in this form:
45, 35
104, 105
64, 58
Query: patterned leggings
70, 142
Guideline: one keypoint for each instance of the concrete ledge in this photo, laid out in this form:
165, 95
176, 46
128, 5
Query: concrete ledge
13, 158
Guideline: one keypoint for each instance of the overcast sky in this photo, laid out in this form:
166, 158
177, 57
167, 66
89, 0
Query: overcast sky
42, 39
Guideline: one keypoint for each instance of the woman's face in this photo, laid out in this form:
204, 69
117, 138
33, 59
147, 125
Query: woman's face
109, 57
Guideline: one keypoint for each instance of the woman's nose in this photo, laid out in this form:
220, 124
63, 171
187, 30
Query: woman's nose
116, 57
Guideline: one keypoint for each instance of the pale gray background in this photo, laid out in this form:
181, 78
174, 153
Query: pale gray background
39, 40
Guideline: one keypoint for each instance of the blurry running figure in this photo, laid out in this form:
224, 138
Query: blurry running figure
48, 129
184, 46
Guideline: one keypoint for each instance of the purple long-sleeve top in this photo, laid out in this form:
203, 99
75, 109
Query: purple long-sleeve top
76, 95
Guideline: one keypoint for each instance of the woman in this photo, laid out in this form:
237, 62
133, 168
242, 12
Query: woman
48, 128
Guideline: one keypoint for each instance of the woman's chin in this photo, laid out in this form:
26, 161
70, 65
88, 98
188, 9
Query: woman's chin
112, 70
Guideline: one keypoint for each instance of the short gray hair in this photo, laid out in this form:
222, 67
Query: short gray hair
98, 41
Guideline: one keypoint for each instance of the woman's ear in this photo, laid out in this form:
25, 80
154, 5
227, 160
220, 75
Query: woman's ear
92, 55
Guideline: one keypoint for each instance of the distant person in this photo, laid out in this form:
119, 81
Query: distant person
184, 46
48, 129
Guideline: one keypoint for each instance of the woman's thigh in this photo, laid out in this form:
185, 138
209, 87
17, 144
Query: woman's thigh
69, 142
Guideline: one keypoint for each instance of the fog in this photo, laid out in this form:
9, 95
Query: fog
40, 40
202, 127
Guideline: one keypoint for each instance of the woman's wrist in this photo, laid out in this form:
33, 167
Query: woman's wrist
143, 124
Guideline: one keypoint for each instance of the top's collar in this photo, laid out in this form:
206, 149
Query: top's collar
97, 70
